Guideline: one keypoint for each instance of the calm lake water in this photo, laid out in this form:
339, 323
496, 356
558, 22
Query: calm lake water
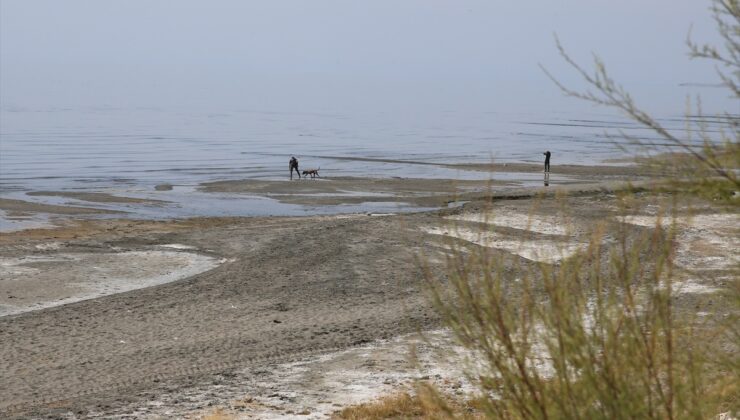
135, 149
62, 149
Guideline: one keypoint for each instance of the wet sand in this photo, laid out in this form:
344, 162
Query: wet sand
284, 289
325, 195
21, 206
95, 197
351, 190
434, 192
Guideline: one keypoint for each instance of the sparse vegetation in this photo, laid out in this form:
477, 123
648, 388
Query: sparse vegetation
599, 334
394, 406
218, 414
709, 148
420, 405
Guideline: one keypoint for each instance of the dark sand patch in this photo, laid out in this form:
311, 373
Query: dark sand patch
340, 185
102, 231
417, 192
20, 206
96, 197
353, 190
424, 192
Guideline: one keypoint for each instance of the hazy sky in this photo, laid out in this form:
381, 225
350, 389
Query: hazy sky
317, 55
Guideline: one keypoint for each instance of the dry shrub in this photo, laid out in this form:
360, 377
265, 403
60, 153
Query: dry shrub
597, 335
426, 403
218, 414
394, 406
705, 158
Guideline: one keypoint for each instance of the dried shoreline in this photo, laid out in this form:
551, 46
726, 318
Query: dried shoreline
287, 289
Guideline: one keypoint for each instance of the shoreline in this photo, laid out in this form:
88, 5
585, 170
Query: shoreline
287, 288
325, 195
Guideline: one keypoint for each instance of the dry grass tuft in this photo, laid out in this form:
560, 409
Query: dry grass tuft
426, 404
394, 406
218, 414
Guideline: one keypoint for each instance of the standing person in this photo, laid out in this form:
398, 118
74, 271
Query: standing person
293, 164
547, 161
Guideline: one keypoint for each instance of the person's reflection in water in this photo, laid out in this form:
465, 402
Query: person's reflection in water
547, 179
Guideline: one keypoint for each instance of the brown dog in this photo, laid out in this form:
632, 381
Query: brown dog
313, 172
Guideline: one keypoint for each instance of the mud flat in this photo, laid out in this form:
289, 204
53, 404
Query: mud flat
13, 206
319, 291
96, 197
351, 190
325, 195
417, 192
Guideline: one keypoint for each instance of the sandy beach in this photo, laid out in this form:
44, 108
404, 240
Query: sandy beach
333, 210
103, 317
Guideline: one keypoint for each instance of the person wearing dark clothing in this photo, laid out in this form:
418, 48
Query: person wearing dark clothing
547, 161
293, 164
